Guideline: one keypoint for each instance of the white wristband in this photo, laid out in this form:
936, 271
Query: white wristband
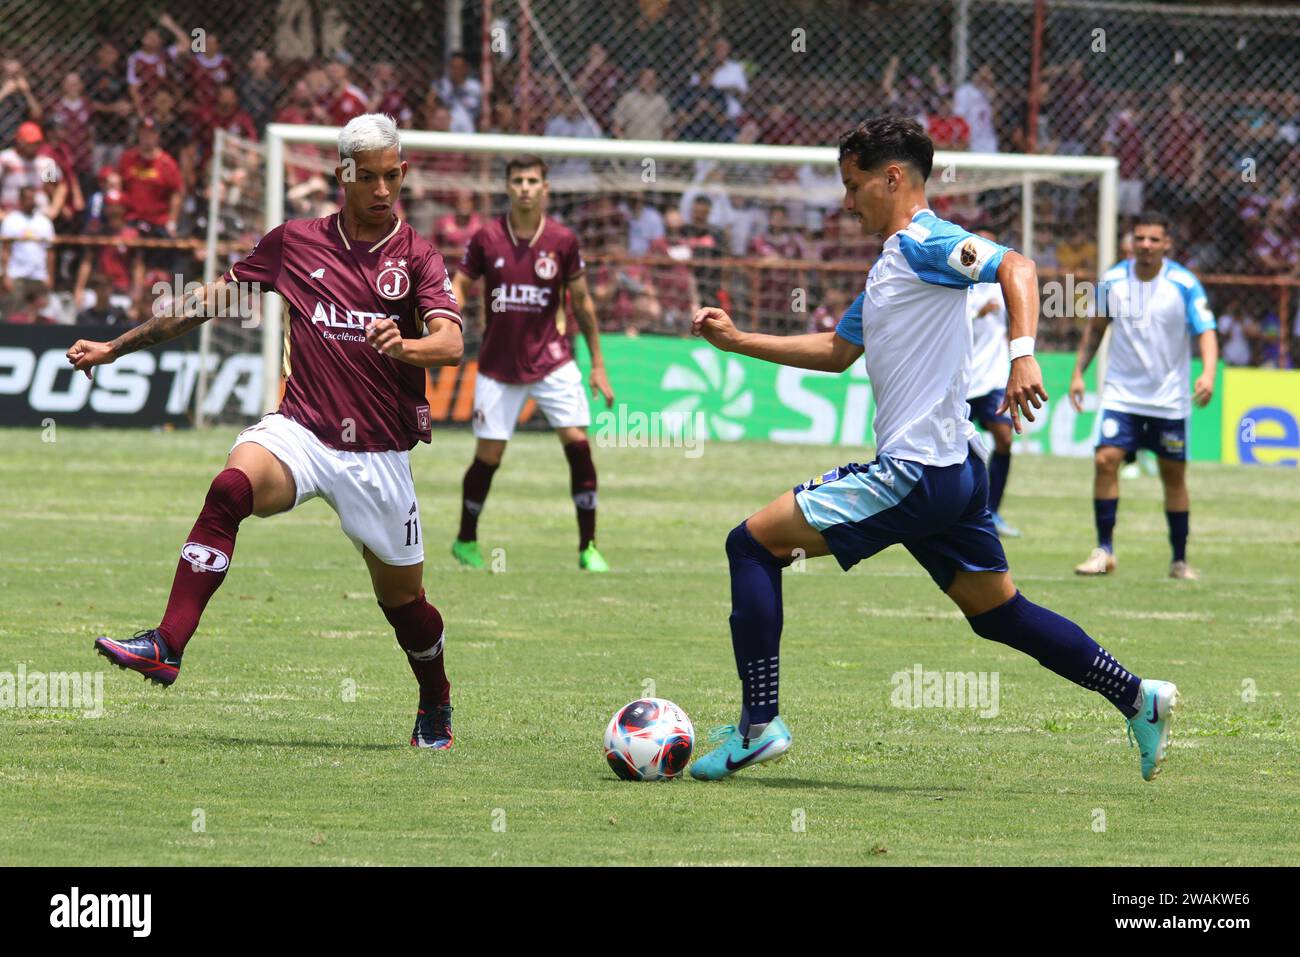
1024, 346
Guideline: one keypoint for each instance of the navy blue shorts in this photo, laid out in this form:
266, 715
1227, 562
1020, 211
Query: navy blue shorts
938, 513
1167, 438
984, 408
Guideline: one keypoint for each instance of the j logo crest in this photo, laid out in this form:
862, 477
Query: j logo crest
393, 282
546, 267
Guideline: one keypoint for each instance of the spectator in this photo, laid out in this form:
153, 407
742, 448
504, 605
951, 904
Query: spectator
303, 108
204, 70
147, 69
458, 89
947, 131
599, 80
780, 244
56, 148
651, 39
120, 264
625, 294
154, 192
643, 112
110, 104
22, 167
728, 76
1069, 105
389, 96
346, 98
835, 301
1276, 249
74, 113
103, 311
679, 295
503, 118
33, 308
27, 261
972, 104
110, 181
259, 91
780, 126
1125, 140
645, 224
17, 104
572, 122
1077, 255
227, 115
704, 116
1175, 171
176, 135
452, 232
705, 242
1235, 333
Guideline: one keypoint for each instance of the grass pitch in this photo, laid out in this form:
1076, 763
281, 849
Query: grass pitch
257, 755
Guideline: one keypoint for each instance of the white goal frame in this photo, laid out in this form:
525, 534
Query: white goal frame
1104, 169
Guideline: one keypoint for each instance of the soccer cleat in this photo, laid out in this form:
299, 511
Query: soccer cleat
737, 751
1150, 726
1184, 571
467, 553
1003, 529
146, 653
433, 728
591, 560
1100, 562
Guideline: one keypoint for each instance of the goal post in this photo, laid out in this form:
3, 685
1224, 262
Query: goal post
583, 169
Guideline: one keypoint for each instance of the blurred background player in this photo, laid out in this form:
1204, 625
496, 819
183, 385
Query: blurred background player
1155, 308
528, 262
927, 489
361, 287
988, 385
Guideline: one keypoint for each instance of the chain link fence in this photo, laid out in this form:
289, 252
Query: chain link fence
1200, 105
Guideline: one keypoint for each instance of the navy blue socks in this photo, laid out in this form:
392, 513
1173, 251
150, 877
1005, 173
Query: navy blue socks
756, 619
1103, 510
999, 468
1178, 534
1062, 646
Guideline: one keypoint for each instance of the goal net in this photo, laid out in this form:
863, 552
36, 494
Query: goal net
667, 226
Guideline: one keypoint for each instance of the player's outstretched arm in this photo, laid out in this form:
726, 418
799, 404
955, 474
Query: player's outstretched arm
443, 346
823, 351
188, 314
1018, 278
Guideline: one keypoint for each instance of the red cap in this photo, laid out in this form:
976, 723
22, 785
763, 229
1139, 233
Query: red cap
30, 132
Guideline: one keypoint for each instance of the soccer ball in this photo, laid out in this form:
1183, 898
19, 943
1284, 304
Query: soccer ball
649, 740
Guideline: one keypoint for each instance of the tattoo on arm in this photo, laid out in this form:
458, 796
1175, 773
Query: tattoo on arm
162, 328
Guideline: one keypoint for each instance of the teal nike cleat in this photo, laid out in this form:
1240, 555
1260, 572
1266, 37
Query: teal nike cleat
738, 752
1150, 726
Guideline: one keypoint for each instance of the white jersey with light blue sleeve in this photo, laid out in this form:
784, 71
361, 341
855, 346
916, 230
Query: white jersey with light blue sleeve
1153, 322
912, 323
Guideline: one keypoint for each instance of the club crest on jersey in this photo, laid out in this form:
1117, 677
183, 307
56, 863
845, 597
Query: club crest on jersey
546, 267
393, 282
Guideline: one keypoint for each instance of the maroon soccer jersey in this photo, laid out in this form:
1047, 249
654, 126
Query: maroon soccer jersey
524, 282
352, 397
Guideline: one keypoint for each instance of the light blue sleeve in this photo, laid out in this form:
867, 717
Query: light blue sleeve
1199, 317
951, 256
850, 324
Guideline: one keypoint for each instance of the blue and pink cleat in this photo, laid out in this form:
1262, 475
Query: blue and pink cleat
145, 653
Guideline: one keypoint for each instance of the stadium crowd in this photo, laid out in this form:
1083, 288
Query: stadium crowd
117, 150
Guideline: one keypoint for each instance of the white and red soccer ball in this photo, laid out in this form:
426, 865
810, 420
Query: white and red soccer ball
650, 739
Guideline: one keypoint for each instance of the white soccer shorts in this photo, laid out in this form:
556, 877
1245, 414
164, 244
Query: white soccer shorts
372, 492
561, 396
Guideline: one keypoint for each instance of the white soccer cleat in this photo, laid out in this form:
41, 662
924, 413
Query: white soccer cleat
1184, 571
1100, 562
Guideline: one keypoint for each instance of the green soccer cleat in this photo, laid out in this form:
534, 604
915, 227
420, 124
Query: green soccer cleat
1150, 726
738, 752
591, 560
467, 554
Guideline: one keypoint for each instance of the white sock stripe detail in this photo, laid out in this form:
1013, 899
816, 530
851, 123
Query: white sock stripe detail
429, 654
